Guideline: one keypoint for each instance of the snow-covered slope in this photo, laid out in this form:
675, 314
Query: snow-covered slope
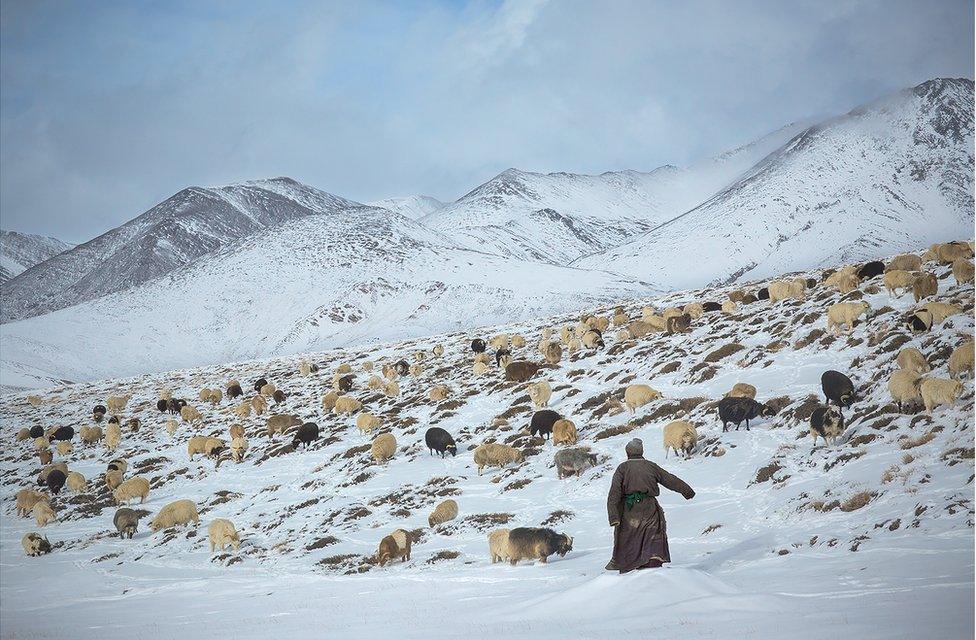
192, 223
558, 217
315, 282
413, 207
20, 251
881, 179
871, 538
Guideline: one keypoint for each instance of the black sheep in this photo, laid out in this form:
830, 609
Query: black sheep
710, 307
113, 420
871, 269
234, 391
838, 389
402, 368
763, 294
99, 410
55, 480
739, 410
36, 431
811, 283
260, 382
478, 345
162, 405
918, 323
306, 434
345, 383
63, 433
542, 422
175, 404
279, 396
439, 440
313, 368
501, 353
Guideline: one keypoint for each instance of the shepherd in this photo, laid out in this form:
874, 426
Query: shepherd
640, 538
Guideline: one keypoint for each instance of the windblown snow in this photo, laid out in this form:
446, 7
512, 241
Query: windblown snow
871, 538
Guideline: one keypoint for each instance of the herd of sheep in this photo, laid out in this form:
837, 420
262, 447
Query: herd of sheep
511, 357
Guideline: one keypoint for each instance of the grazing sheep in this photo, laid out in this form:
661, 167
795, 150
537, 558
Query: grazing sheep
135, 487
162, 405
621, 319
949, 252
592, 339
259, 405
279, 422
540, 393
113, 479
214, 447
64, 448
530, 543
904, 387
222, 534
739, 410
911, 359
501, 341
268, 390
34, 545
444, 512
236, 431
374, 383
98, 412
116, 404
195, 445
45, 455
439, 440
844, 281
962, 271
27, 498
238, 447
175, 513
542, 421
305, 435
784, 290
496, 455
845, 313
49, 469
637, 395
478, 345
56, 479
347, 405
126, 522
329, 399
924, 285
711, 307
174, 405
216, 396
392, 389
838, 389
396, 545
479, 369
905, 262
383, 447
920, 321
498, 545
24, 434
554, 353
961, 360
343, 383
41, 443
827, 423
190, 414
742, 390
62, 434
389, 371
938, 391
521, 371
43, 513
118, 464
91, 435
573, 461
438, 351
439, 392
234, 390
680, 435
870, 270
34, 401
260, 382
36, 431
304, 369
940, 310
367, 423
204, 394
564, 432
76, 482
694, 309
679, 324
344, 368
729, 307
171, 426
898, 279
416, 370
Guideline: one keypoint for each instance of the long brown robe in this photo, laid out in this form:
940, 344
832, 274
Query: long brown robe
640, 534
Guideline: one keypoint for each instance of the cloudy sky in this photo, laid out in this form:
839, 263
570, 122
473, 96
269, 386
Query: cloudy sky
109, 107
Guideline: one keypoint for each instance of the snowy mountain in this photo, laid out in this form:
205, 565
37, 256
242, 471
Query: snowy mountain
558, 217
21, 251
883, 178
190, 224
413, 207
869, 538
346, 277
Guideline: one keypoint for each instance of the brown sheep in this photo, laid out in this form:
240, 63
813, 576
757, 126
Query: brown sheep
962, 271
904, 387
911, 359
496, 455
521, 371
195, 445
113, 479
24, 434
259, 404
268, 390
171, 427
680, 435
439, 392
940, 310
136, 487
279, 422
243, 410
391, 389
961, 360
443, 512
383, 447
329, 399
393, 546
64, 448
845, 313
518, 341
367, 423
190, 414
76, 482
938, 391
374, 383
898, 279
844, 281
91, 435
43, 513
905, 262
27, 498
554, 353
346, 405
742, 390
175, 513
214, 447
45, 455
236, 431
564, 432
678, 324
924, 285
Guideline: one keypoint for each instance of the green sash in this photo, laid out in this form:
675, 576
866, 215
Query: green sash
634, 498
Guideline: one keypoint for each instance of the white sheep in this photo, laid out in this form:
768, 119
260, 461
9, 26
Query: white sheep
845, 313
681, 436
